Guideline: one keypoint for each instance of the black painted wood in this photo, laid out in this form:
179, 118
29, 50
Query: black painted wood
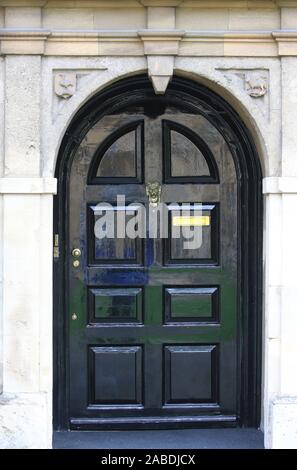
137, 363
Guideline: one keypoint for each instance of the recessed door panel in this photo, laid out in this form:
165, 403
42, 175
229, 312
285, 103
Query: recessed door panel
192, 304
119, 156
115, 375
187, 157
191, 374
108, 243
194, 234
116, 305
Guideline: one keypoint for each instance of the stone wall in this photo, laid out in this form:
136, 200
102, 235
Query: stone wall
57, 54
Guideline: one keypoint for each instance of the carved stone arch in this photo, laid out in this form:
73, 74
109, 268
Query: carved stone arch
240, 103
57, 129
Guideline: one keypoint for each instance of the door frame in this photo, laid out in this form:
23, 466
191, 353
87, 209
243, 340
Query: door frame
249, 175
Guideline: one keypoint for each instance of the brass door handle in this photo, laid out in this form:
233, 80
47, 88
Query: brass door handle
76, 253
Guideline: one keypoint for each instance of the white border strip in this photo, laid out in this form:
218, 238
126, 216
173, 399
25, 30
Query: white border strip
28, 186
280, 185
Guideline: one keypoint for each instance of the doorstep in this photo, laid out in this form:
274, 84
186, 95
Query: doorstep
234, 438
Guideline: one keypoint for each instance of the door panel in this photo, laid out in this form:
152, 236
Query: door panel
115, 248
155, 339
116, 305
187, 157
191, 375
209, 240
115, 376
124, 144
192, 304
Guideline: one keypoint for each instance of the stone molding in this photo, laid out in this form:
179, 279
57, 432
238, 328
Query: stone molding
286, 42
271, 4
162, 42
280, 185
28, 185
145, 42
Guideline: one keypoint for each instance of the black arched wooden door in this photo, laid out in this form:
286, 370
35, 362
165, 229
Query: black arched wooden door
153, 324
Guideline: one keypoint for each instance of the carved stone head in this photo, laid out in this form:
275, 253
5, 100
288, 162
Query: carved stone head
65, 84
256, 84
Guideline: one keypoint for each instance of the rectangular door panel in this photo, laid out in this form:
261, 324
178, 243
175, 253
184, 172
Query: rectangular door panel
108, 241
192, 304
191, 374
194, 235
115, 375
115, 305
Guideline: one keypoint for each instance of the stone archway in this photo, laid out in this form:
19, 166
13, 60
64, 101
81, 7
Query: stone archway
248, 171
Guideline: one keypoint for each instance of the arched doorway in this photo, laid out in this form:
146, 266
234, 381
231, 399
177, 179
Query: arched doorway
147, 331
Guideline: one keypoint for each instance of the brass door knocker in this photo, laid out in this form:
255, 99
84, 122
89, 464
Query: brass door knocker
153, 191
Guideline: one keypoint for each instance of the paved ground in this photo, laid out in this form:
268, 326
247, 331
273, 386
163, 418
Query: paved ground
169, 439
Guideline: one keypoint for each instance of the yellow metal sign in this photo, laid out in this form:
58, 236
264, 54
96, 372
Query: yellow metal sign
191, 221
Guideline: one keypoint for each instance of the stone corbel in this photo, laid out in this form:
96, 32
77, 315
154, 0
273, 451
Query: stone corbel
161, 3
160, 48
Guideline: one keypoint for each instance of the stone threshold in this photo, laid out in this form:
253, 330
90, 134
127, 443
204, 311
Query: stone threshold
233, 438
